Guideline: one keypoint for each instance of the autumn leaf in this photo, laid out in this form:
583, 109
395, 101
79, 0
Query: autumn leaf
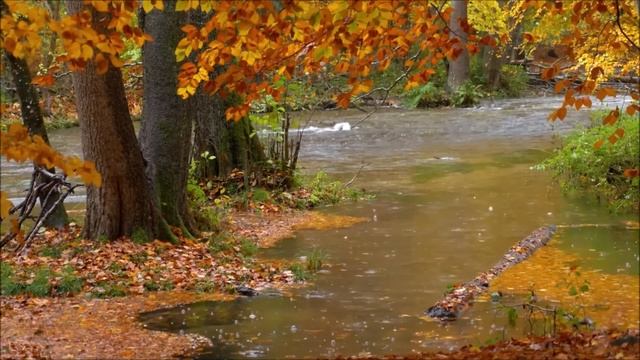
5, 205
631, 173
44, 81
598, 144
560, 85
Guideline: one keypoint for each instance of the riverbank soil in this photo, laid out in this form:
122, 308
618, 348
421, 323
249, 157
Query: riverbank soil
115, 281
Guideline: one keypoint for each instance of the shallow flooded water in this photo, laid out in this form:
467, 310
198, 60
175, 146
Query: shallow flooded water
454, 191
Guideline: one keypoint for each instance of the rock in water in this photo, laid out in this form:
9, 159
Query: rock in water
246, 291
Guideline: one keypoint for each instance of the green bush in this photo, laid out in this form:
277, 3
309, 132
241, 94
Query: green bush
325, 191
260, 195
513, 80
40, 285
467, 95
429, 95
8, 284
54, 251
70, 283
579, 165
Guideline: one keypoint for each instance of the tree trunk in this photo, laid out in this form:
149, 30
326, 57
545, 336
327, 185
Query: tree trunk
458, 67
124, 204
165, 136
54, 10
230, 142
32, 119
494, 64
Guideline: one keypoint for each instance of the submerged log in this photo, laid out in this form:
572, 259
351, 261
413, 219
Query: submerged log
461, 296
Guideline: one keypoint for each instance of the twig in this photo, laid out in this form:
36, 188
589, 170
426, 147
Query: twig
620, 26
348, 183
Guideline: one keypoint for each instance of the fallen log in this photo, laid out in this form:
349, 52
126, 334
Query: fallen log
461, 296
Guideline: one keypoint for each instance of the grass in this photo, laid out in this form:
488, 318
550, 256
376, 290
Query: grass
40, 286
205, 286
70, 283
299, 271
8, 285
108, 290
54, 251
315, 259
218, 243
248, 247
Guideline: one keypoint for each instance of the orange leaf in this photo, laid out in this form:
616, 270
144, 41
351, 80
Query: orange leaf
620, 132
631, 173
631, 109
344, 100
613, 139
43, 81
102, 64
560, 85
596, 71
562, 113
598, 144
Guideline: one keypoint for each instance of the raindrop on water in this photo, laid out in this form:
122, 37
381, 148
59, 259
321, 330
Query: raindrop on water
294, 328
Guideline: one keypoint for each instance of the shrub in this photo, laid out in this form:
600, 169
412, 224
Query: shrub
579, 165
260, 195
513, 80
428, 95
467, 95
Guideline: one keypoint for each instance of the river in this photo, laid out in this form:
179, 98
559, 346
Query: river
454, 190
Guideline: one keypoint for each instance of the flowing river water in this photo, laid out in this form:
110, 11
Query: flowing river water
454, 190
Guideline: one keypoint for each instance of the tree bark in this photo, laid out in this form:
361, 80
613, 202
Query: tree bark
124, 204
458, 67
230, 142
33, 120
165, 136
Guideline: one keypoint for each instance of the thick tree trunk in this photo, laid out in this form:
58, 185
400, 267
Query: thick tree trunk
32, 118
124, 204
212, 136
165, 136
458, 67
230, 142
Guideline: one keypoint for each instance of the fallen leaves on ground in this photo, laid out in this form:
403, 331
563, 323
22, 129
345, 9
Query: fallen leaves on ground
610, 344
72, 328
270, 228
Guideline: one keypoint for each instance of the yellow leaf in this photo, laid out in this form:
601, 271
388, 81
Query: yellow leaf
5, 205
